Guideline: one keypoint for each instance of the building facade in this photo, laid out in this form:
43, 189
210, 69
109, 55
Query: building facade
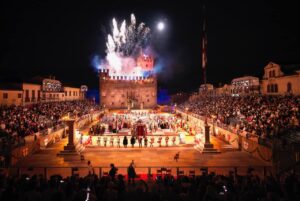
10, 96
225, 90
245, 85
206, 88
47, 90
129, 91
73, 93
280, 81
32, 93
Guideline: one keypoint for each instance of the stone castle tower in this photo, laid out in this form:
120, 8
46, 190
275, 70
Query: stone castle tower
129, 91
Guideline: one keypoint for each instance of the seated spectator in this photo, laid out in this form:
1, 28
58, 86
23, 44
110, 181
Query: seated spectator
26, 120
256, 115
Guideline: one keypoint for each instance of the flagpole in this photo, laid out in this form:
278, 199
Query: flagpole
204, 59
208, 146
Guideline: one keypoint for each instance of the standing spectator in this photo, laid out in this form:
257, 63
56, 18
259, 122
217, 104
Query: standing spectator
118, 141
90, 168
98, 140
152, 141
105, 141
174, 140
159, 141
140, 140
176, 157
113, 171
125, 141
145, 141
111, 141
131, 173
167, 141
132, 141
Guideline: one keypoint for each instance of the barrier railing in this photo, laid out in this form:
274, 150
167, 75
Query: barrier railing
144, 172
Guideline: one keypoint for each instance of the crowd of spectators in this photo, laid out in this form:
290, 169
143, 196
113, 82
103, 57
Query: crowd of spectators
206, 187
265, 116
20, 121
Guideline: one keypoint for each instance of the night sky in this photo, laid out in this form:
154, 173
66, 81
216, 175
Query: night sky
54, 38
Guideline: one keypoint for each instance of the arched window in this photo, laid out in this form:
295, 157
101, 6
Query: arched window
269, 88
270, 73
289, 87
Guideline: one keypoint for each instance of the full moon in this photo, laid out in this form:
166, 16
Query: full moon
160, 26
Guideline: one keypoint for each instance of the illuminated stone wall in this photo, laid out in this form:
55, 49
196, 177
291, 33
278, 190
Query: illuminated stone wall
121, 93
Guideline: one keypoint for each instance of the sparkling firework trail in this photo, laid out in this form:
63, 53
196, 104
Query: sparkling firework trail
128, 40
124, 44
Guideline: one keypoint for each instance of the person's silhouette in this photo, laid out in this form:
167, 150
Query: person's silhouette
176, 157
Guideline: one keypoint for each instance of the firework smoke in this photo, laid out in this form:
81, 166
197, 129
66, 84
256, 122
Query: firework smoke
123, 46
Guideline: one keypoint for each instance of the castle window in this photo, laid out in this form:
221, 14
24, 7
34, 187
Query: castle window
275, 88
33, 94
19, 95
26, 95
5, 95
289, 87
272, 73
269, 88
148, 100
272, 88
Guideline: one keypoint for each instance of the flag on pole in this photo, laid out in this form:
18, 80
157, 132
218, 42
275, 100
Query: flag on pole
204, 46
